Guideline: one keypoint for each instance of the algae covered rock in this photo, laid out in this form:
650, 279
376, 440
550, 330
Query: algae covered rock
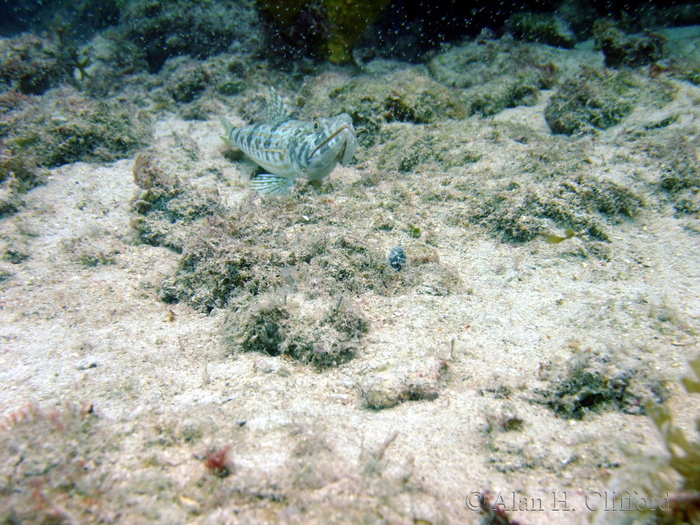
495, 75
165, 206
506, 92
583, 203
187, 83
599, 99
546, 28
66, 126
61, 127
481, 61
621, 49
161, 30
404, 96
31, 64
439, 146
596, 381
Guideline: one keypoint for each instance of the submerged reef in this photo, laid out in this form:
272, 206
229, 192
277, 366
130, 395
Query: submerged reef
495, 75
546, 28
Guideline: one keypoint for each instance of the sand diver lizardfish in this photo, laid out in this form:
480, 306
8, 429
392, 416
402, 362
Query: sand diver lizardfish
288, 148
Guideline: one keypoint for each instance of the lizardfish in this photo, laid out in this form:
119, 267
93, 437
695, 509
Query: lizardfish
288, 149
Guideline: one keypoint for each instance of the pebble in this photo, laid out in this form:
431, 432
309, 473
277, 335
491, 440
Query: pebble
397, 258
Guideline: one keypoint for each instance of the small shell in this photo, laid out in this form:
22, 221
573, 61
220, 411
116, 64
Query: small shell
397, 258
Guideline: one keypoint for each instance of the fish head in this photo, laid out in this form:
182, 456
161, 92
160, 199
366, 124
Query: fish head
332, 140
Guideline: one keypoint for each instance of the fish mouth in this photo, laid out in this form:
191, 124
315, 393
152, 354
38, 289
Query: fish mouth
325, 142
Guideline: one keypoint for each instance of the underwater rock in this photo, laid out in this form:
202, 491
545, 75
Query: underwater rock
597, 100
505, 92
61, 127
479, 62
441, 146
165, 205
9, 200
187, 83
407, 95
545, 28
524, 213
161, 30
496, 74
241, 254
66, 126
397, 258
621, 49
404, 96
31, 64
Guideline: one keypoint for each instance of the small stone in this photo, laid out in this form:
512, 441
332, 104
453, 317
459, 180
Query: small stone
397, 258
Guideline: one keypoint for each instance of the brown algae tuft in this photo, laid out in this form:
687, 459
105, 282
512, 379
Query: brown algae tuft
318, 333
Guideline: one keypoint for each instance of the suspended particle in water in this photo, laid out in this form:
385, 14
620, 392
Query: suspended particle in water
397, 258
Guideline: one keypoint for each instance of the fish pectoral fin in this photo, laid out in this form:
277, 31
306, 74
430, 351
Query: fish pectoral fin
271, 184
228, 128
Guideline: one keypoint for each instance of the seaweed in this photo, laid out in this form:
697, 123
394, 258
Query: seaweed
217, 461
669, 485
684, 454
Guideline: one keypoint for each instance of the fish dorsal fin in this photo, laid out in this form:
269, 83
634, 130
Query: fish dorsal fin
276, 109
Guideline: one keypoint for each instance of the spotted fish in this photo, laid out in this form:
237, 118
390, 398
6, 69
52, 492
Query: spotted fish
288, 149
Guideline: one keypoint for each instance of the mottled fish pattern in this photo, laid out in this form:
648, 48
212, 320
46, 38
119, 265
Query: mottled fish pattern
288, 149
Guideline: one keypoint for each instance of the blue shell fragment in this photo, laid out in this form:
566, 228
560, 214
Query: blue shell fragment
397, 258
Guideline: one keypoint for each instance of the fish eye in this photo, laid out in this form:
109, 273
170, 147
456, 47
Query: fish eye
316, 126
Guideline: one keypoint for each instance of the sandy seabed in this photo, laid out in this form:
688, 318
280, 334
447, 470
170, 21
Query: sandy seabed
120, 408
